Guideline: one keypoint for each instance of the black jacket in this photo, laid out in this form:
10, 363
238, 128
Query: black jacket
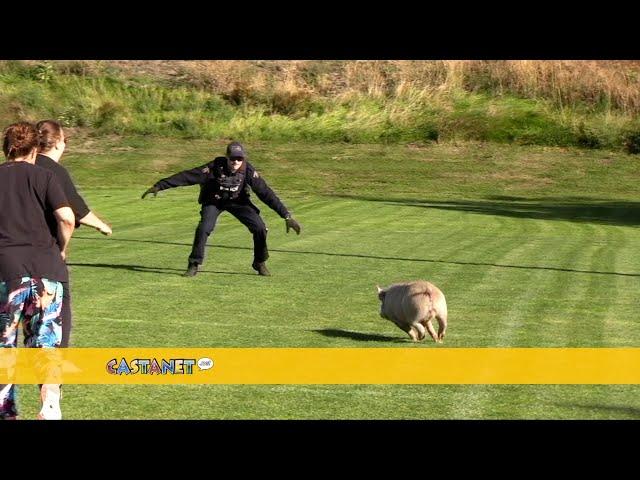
220, 186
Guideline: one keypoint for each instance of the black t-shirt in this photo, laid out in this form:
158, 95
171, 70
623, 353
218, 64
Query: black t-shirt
76, 202
27, 247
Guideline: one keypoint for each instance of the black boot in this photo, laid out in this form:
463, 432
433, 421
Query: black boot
261, 268
191, 270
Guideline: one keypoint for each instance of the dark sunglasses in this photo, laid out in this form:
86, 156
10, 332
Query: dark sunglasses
236, 159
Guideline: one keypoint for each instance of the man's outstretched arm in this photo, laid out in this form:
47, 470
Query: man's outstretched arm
291, 223
268, 196
185, 178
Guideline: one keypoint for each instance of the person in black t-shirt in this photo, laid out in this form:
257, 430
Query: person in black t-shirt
32, 266
51, 145
225, 184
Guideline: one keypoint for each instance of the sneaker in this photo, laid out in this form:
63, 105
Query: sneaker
191, 271
261, 268
50, 404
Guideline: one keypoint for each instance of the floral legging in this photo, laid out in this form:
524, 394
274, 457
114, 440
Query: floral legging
37, 302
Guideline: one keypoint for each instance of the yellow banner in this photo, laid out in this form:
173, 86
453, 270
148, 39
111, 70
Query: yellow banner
320, 366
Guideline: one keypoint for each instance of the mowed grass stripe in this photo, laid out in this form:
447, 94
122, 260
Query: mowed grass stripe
502, 325
550, 286
528, 319
576, 328
488, 289
622, 324
604, 308
342, 402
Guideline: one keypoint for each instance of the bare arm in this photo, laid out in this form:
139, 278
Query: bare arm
66, 225
92, 220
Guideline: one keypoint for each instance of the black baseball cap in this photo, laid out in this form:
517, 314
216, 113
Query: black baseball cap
235, 149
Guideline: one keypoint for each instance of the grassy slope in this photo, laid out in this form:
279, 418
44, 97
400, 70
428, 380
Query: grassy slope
534, 247
127, 102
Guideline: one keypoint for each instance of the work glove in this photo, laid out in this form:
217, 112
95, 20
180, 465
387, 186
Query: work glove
153, 190
291, 223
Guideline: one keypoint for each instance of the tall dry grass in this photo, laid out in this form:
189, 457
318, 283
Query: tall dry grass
597, 85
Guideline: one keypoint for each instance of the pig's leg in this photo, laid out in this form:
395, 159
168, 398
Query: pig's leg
421, 332
442, 326
427, 323
410, 330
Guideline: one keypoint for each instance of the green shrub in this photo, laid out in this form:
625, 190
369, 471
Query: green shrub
587, 138
107, 115
632, 142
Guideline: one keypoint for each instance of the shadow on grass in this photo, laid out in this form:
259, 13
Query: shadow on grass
362, 337
619, 409
574, 209
142, 268
374, 257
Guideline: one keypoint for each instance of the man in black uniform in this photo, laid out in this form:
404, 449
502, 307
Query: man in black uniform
225, 184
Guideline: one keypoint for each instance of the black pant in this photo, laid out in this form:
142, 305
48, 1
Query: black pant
65, 314
249, 218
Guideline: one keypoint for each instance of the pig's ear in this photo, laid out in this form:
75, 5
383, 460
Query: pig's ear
379, 289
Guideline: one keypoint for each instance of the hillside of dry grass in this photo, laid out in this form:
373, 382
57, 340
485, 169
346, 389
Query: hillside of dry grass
591, 104
612, 84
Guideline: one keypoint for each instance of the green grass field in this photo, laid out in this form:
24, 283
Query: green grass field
532, 246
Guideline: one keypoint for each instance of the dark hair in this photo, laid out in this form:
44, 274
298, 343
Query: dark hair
50, 132
19, 140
